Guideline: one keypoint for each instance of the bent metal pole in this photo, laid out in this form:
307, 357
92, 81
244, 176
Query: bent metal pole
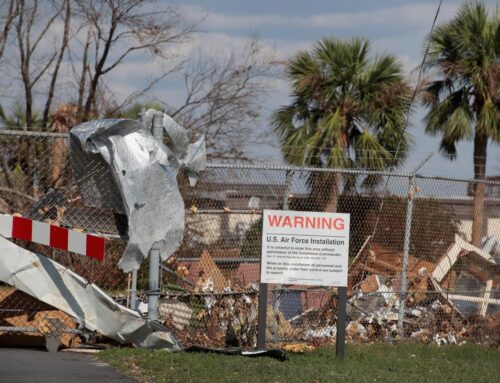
154, 253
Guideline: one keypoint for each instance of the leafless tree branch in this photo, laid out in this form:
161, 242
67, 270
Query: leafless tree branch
8, 19
138, 94
43, 33
128, 29
55, 73
223, 99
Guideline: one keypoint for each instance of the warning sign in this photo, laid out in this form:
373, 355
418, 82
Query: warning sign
305, 248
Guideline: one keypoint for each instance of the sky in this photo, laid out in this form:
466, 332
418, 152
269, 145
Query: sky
285, 27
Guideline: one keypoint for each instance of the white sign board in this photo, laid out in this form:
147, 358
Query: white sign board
305, 248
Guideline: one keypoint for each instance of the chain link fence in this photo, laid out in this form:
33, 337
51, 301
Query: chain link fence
209, 287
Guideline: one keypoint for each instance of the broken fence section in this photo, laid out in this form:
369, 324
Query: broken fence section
209, 288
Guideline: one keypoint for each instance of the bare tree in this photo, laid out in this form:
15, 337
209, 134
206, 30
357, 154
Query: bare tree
8, 12
97, 35
224, 99
115, 30
32, 25
88, 40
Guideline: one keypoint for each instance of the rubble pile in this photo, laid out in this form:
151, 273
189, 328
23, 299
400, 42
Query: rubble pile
206, 315
374, 318
218, 307
29, 320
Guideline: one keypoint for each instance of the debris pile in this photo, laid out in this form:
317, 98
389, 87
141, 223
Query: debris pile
437, 311
206, 318
22, 314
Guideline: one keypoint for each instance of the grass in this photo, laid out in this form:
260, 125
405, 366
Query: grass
367, 363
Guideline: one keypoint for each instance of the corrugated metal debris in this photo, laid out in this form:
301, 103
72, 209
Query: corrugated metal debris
54, 284
121, 166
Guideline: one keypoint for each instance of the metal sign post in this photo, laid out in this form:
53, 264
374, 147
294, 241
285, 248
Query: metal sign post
262, 324
341, 317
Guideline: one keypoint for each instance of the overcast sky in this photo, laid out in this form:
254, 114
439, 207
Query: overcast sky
287, 26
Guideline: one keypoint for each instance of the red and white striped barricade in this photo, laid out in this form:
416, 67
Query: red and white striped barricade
51, 235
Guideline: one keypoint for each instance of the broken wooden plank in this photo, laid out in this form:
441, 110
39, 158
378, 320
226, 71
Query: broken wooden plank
370, 284
446, 262
211, 270
451, 256
468, 298
377, 271
486, 298
445, 296
396, 269
356, 266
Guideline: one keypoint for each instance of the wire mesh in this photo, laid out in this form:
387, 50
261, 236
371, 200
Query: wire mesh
210, 285
37, 181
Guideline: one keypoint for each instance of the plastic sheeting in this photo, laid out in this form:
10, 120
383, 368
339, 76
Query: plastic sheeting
61, 288
120, 165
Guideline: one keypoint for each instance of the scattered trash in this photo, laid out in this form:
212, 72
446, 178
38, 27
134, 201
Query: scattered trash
272, 353
297, 347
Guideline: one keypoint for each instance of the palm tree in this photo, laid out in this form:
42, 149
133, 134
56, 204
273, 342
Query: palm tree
17, 119
463, 96
348, 110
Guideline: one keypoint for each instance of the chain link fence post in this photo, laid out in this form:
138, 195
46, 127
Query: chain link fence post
133, 287
133, 290
406, 250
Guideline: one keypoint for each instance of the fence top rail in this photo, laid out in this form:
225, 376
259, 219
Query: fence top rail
442, 178
6, 132
305, 169
345, 171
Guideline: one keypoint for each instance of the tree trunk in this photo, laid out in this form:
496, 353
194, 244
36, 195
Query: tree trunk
480, 147
326, 190
333, 196
54, 78
9, 178
98, 70
83, 77
63, 119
